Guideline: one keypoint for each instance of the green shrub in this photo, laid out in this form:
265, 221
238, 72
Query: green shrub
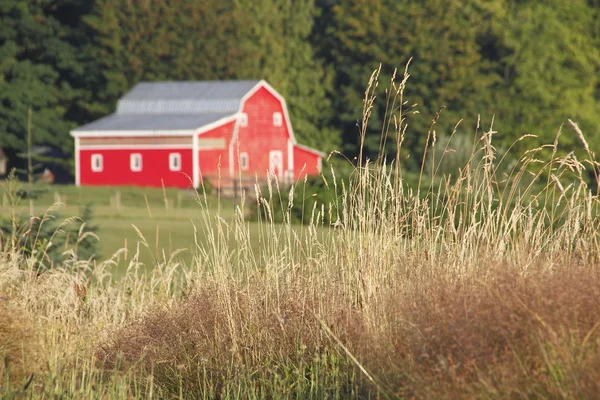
206, 187
315, 197
48, 238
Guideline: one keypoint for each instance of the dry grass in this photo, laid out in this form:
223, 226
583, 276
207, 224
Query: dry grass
483, 283
19, 346
506, 334
510, 336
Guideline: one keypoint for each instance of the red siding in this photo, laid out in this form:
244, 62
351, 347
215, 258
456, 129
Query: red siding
261, 136
215, 162
117, 168
305, 163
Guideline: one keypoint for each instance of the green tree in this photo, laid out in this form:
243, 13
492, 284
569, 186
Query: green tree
549, 61
203, 39
42, 65
447, 69
529, 64
155, 40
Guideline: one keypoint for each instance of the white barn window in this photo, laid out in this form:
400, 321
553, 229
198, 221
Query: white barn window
135, 162
244, 161
244, 120
277, 119
175, 162
97, 163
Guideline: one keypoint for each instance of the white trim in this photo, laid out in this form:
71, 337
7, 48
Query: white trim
290, 155
217, 123
279, 153
132, 163
231, 169
134, 146
195, 163
166, 132
175, 166
234, 137
244, 166
93, 159
86, 134
77, 166
310, 150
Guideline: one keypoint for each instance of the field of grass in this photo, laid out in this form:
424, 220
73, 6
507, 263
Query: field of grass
164, 218
480, 286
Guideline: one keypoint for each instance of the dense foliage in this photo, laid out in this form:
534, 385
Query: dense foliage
315, 199
528, 64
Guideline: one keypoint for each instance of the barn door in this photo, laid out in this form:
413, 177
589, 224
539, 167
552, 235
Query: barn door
276, 163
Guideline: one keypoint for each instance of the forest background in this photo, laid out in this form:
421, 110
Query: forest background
527, 64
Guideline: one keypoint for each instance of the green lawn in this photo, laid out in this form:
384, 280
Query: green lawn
165, 225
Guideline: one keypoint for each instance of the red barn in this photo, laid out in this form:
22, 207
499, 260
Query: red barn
178, 133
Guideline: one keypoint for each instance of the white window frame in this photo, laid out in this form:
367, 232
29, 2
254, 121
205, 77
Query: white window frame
276, 155
243, 120
97, 163
244, 161
132, 163
175, 165
277, 119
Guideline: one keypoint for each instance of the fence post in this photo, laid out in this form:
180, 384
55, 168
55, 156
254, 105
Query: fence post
118, 200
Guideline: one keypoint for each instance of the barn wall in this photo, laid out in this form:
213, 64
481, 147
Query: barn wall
117, 170
305, 163
261, 135
213, 153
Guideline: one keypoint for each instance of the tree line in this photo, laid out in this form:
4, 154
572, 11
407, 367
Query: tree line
527, 64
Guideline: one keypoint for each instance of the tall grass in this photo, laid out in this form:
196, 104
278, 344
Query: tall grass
481, 282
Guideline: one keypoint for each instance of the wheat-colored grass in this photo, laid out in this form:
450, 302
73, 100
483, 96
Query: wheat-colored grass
481, 282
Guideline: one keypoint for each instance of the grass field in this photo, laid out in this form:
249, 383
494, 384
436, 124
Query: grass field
164, 217
486, 286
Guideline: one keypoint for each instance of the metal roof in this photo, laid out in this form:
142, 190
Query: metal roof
184, 97
161, 106
178, 90
147, 122
173, 106
169, 107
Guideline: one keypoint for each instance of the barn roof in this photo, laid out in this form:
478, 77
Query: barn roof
184, 97
178, 90
179, 105
160, 122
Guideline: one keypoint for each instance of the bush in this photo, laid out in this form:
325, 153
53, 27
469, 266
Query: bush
47, 240
315, 197
206, 187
